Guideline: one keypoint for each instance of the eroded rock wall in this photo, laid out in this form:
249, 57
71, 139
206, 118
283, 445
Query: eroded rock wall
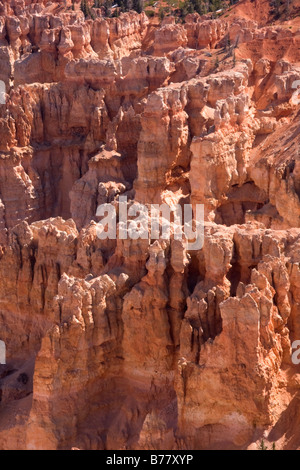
141, 344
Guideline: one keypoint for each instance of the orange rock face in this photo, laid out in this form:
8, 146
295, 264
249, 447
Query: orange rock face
145, 344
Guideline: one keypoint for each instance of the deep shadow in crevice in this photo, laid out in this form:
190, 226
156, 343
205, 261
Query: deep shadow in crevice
194, 274
234, 277
240, 200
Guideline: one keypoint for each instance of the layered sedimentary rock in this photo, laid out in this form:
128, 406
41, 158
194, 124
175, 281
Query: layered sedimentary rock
147, 344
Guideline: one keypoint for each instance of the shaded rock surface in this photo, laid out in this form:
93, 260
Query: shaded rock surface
142, 344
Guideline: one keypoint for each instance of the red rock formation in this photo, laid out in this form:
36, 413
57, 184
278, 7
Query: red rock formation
143, 344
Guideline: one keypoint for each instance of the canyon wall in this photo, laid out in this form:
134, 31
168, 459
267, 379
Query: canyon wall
143, 344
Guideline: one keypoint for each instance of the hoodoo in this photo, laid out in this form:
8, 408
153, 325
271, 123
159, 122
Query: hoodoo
114, 343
